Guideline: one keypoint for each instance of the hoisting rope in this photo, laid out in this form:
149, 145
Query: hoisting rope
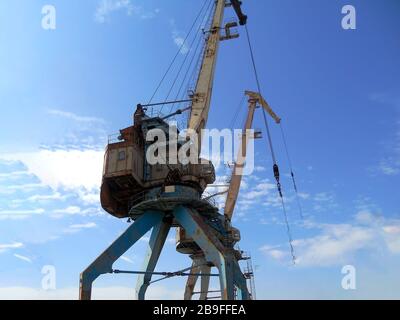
237, 112
179, 51
191, 45
275, 166
208, 12
292, 172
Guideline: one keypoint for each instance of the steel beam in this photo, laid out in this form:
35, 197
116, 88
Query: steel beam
157, 240
192, 280
213, 249
103, 264
199, 267
205, 281
241, 283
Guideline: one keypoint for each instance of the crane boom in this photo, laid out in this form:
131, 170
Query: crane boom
203, 92
202, 95
257, 96
234, 186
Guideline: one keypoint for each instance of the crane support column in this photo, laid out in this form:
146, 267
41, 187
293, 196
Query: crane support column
157, 240
192, 279
103, 264
214, 252
199, 266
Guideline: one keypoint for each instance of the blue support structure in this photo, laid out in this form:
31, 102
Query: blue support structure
214, 254
157, 240
103, 264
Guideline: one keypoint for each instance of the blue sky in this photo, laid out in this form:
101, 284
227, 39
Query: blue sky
63, 91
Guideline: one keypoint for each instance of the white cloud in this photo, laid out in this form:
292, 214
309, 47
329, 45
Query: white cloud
23, 258
178, 38
338, 244
72, 170
7, 246
323, 197
19, 214
74, 117
75, 228
126, 259
392, 229
304, 195
260, 190
274, 252
390, 164
106, 7
69, 210
14, 175
259, 169
28, 187
89, 197
89, 225
42, 198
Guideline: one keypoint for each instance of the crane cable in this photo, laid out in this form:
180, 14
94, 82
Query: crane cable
179, 51
195, 55
275, 166
292, 172
189, 50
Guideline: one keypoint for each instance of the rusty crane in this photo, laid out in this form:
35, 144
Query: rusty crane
162, 196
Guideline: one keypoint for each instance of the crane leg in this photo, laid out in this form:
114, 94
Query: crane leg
103, 264
214, 251
157, 240
205, 281
192, 280
241, 283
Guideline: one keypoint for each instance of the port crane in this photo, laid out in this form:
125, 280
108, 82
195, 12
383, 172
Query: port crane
160, 197
200, 265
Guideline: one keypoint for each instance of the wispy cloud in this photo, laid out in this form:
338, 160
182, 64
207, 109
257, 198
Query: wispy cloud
338, 244
20, 214
390, 164
89, 225
106, 7
23, 258
74, 228
14, 175
126, 259
41, 198
74, 117
72, 210
25, 187
178, 38
8, 246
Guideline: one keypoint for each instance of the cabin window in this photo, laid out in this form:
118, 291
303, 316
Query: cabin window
121, 155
